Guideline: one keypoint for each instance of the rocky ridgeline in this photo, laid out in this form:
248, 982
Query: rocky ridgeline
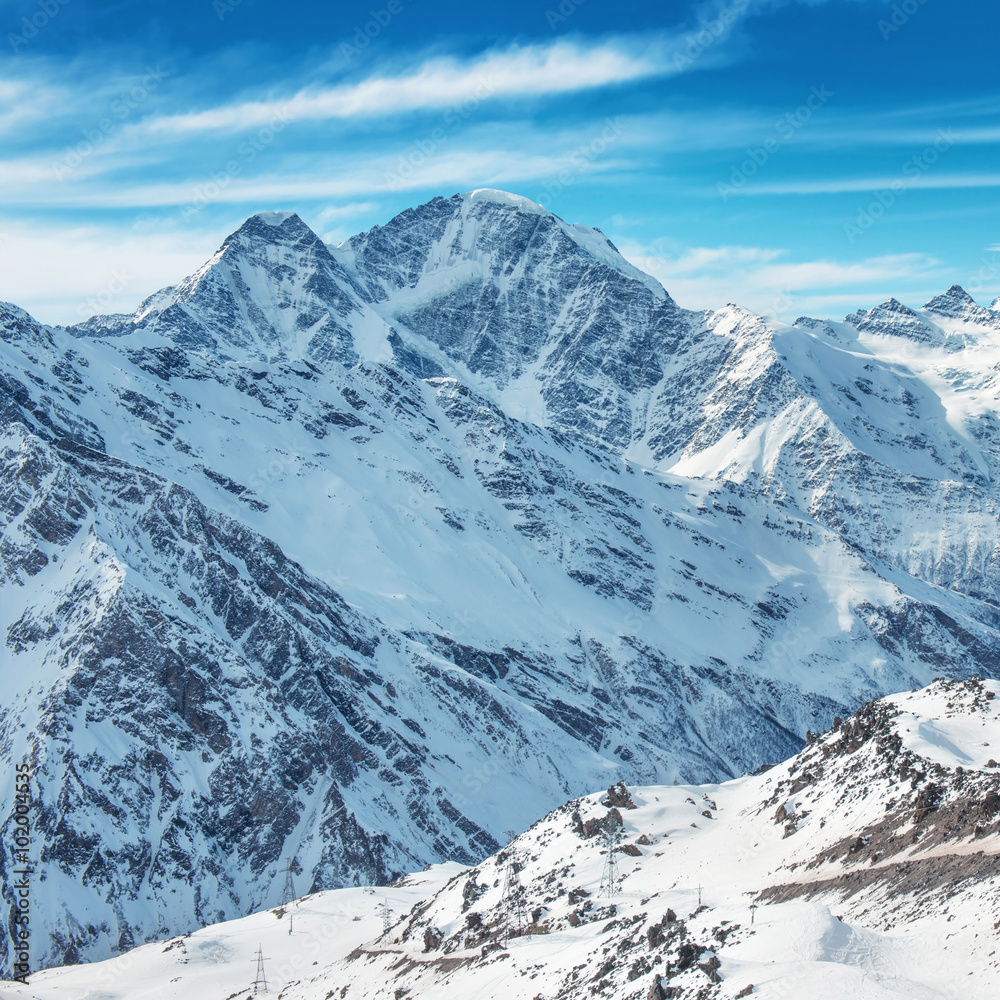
468, 925
937, 827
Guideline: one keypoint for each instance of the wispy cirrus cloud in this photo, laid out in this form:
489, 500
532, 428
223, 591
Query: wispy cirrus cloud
284, 172
766, 281
495, 167
515, 72
845, 185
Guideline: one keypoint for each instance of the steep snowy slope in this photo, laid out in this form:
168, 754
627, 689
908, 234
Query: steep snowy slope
548, 313
288, 569
272, 292
867, 425
864, 866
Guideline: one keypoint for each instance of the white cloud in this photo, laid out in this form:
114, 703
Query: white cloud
760, 279
63, 274
279, 189
477, 155
25, 101
439, 83
844, 185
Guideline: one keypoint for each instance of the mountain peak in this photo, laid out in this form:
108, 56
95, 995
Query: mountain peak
893, 319
957, 303
589, 239
955, 295
499, 284
891, 307
272, 291
9, 311
495, 197
995, 307
894, 305
16, 325
275, 218
451, 241
271, 227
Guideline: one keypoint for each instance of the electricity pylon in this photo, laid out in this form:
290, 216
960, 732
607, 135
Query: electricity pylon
386, 917
609, 877
288, 891
513, 915
260, 983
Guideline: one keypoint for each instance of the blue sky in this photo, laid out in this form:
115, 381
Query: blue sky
795, 157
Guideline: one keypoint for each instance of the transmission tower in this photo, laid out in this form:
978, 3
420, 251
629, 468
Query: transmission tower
386, 917
512, 907
288, 891
260, 983
609, 878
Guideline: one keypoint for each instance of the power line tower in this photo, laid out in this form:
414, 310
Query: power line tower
609, 877
260, 983
386, 917
512, 907
288, 896
288, 890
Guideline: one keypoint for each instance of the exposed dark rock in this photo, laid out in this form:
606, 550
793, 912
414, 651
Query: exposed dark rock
619, 797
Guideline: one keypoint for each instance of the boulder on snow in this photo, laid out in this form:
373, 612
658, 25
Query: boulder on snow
619, 797
602, 823
711, 969
657, 992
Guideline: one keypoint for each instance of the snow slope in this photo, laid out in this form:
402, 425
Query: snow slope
864, 867
220, 960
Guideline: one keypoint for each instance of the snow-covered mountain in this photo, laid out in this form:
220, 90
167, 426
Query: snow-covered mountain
864, 866
363, 555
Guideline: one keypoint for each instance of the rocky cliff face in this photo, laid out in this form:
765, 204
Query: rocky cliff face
365, 555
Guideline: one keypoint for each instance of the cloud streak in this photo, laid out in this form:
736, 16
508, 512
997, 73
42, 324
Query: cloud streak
517, 72
846, 185
763, 280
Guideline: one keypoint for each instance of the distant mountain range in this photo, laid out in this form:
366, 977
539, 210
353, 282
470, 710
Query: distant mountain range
362, 555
